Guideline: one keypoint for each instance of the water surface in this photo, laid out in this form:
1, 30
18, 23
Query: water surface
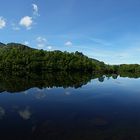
69, 106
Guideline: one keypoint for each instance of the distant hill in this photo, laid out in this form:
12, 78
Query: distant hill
19, 57
2, 45
14, 56
15, 45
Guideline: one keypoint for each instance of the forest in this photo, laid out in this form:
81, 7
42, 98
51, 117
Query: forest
18, 57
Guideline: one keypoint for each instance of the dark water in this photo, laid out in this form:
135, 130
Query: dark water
69, 106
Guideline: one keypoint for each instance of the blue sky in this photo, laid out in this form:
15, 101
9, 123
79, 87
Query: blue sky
108, 30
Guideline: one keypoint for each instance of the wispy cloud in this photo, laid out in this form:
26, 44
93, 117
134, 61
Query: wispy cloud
49, 47
124, 49
41, 42
27, 21
35, 10
68, 43
26, 43
100, 41
41, 46
41, 39
15, 27
2, 22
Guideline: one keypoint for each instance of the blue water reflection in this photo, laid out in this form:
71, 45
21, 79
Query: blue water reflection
104, 108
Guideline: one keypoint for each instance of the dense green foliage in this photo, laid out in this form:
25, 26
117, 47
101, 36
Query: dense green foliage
18, 57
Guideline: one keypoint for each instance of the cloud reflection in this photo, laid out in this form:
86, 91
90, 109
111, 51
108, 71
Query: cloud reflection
25, 114
2, 112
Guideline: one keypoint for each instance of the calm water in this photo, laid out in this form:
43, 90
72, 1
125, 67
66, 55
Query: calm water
66, 106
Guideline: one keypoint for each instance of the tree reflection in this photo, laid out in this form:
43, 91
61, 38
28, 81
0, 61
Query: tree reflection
17, 82
114, 76
101, 79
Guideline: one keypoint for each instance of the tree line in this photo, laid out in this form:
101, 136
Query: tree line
18, 57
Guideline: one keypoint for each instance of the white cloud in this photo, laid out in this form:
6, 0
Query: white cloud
2, 22
35, 10
26, 43
49, 47
68, 43
41, 39
41, 46
41, 42
26, 22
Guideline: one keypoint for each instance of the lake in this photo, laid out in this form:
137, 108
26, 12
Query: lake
69, 106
